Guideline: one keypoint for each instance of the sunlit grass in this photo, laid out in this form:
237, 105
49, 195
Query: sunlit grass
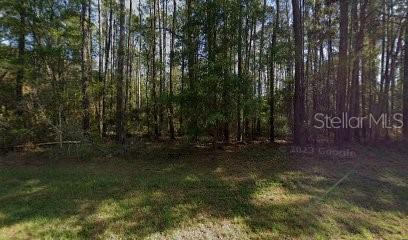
255, 193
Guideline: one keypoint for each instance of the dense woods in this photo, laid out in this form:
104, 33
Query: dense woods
216, 70
203, 119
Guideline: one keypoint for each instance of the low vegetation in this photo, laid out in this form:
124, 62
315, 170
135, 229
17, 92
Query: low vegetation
184, 192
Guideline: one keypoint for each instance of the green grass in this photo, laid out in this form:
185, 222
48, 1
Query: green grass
257, 192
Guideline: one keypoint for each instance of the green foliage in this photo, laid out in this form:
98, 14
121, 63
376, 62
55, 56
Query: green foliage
209, 92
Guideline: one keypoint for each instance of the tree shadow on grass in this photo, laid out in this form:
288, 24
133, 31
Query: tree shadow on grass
169, 190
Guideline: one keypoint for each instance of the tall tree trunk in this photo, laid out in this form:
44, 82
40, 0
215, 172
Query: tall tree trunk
261, 67
383, 45
390, 76
225, 72
358, 49
173, 36
371, 82
120, 111
385, 84
342, 67
129, 54
239, 108
153, 72
21, 53
160, 13
139, 63
85, 66
329, 83
182, 87
110, 91
405, 84
108, 39
191, 51
164, 67
272, 76
100, 69
299, 75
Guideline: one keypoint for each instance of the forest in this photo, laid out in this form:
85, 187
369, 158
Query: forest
220, 70
175, 89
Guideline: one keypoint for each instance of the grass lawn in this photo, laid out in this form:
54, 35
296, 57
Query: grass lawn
174, 192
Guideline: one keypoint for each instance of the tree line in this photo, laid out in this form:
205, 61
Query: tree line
225, 70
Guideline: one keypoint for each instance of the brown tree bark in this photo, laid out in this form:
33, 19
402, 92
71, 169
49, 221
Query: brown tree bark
172, 53
405, 84
239, 107
120, 110
341, 83
272, 76
298, 129
20, 59
160, 14
191, 61
261, 66
108, 38
100, 69
358, 49
129, 59
85, 66
154, 73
